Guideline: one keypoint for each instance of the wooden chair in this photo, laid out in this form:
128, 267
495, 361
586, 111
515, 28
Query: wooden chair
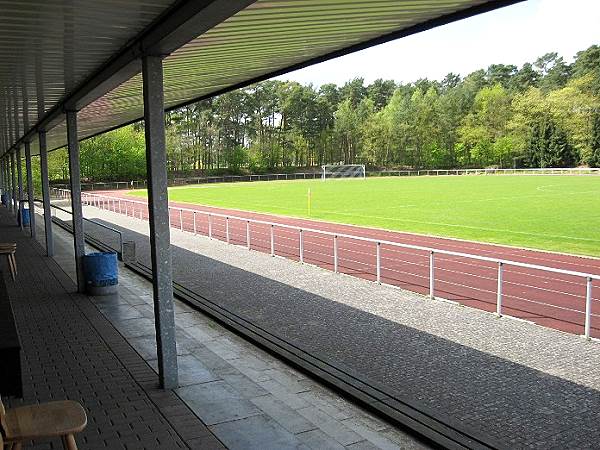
47, 420
9, 249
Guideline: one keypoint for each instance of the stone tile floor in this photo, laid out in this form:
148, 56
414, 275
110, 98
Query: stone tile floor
246, 397
70, 351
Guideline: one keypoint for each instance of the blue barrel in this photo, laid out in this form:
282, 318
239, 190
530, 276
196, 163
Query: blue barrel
25, 214
101, 273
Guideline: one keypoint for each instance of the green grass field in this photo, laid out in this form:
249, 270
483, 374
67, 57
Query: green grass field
560, 213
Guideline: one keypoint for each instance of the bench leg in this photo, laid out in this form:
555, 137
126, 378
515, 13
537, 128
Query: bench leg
14, 261
11, 266
69, 442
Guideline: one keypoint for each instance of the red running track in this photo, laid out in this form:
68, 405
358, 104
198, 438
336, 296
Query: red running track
548, 299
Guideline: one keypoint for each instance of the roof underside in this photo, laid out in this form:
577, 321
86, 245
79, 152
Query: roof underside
49, 49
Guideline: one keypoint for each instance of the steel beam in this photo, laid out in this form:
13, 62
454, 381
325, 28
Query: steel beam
75, 180
30, 195
19, 187
46, 194
13, 181
158, 205
3, 170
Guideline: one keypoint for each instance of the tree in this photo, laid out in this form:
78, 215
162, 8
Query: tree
554, 71
380, 92
594, 158
525, 78
549, 146
487, 123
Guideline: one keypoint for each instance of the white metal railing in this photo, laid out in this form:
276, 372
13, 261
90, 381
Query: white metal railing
137, 184
532, 171
138, 209
54, 208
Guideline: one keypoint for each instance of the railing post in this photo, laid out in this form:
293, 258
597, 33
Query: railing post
119, 206
379, 262
335, 254
248, 234
227, 229
301, 246
431, 275
272, 241
499, 297
588, 308
181, 219
209, 226
195, 228
126, 211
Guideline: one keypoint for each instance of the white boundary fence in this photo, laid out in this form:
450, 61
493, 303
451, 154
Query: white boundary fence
193, 218
115, 185
442, 172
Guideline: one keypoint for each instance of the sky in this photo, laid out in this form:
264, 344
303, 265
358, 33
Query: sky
512, 35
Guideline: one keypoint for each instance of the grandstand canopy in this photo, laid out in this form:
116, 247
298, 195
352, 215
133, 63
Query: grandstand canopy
85, 55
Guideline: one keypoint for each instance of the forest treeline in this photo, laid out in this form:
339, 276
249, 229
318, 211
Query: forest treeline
543, 114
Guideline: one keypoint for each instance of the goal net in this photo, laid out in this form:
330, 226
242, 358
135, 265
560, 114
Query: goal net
343, 171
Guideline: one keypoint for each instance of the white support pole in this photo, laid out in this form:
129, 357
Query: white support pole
588, 308
272, 241
301, 246
227, 229
181, 219
335, 253
499, 296
379, 262
210, 226
195, 229
431, 275
248, 234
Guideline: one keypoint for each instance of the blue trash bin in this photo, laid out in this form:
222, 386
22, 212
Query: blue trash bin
101, 272
25, 214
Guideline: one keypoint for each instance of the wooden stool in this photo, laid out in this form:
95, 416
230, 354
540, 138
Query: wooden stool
9, 249
46, 420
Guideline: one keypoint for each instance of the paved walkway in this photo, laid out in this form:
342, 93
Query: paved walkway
247, 398
515, 383
70, 351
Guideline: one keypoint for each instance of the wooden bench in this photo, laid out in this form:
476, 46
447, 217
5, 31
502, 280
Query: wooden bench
43, 421
9, 249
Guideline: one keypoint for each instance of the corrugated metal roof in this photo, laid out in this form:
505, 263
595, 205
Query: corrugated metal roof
263, 38
49, 47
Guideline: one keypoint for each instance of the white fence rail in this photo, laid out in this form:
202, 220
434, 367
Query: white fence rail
139, 184
191, 220
533, 171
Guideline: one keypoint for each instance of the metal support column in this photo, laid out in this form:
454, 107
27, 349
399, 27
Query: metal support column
5, 177
158, 206
46, 194
75, 180
13, 178
30, 195
2, 176
19, 187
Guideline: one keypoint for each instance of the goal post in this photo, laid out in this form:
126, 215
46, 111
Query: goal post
343, 171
